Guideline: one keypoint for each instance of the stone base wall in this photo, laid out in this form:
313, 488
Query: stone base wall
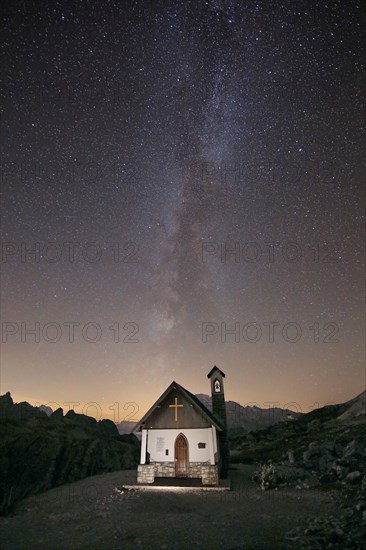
164, 469
210, 474
195, 469
146, 473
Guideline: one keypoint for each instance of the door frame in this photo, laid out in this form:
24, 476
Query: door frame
177, 472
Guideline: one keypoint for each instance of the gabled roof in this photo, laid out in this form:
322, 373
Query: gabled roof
215, 368
190, 397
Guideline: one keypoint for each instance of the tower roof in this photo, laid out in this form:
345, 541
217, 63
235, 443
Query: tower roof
215, 369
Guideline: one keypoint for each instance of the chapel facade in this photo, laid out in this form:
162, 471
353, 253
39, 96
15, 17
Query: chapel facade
181, 438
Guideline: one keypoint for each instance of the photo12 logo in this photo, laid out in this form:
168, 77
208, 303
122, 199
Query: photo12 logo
268, 331
263, 171
52, 252
69, 332
253, 252
84, 172
125, 412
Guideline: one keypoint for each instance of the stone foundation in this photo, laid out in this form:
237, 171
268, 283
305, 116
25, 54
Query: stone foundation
164, 469
210, 474
146, 473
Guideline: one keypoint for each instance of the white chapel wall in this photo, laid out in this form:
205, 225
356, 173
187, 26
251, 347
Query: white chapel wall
160, 440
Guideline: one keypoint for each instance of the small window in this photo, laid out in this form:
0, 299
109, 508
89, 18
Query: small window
166, 452
202, 445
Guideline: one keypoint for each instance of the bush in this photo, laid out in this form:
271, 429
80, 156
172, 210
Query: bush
266, 476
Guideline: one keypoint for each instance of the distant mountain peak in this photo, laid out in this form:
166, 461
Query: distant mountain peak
250, 417
46, 409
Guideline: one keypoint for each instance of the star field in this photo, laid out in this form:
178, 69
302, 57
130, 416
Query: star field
181, 170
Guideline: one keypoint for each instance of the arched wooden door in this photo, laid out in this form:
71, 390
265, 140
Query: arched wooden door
181, 456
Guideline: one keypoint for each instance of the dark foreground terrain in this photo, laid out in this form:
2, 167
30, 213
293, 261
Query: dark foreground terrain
97, 513
38, 452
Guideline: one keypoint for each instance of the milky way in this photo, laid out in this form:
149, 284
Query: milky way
212, 152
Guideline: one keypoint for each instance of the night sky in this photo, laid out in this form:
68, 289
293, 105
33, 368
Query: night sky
182, 168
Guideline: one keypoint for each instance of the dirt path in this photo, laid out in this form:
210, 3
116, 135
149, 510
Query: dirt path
92, 514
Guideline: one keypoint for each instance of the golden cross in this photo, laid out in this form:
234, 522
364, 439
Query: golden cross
175, 407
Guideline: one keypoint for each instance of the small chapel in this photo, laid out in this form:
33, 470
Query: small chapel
181, 438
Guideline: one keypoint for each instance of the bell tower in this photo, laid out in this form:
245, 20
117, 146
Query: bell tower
216, 377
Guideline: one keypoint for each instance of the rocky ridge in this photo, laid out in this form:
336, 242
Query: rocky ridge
38, 452
324, 449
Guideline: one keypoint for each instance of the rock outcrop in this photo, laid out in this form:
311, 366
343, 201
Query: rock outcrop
326, 449
38, 452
